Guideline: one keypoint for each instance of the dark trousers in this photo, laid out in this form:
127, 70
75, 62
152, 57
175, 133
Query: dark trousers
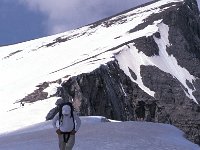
66, 146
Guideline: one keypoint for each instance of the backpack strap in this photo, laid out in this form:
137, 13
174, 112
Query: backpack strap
72, 115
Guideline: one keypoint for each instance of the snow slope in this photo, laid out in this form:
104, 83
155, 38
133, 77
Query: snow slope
97, 135
25, 65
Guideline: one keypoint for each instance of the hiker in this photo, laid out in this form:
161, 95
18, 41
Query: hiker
21, 104
69, 123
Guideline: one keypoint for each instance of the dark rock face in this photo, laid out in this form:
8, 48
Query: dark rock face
147, 45
173, 106
109, 92
184, 28
106, 91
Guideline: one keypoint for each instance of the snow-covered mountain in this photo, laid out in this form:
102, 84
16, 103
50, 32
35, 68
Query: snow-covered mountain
150, 53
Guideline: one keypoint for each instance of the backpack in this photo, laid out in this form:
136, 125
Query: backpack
60, 112
61, 119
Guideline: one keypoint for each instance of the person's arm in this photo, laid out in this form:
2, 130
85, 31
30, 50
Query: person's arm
78, 121
54, 121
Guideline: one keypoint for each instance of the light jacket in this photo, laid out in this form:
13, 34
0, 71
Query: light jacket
67, 124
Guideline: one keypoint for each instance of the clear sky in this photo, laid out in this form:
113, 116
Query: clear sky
23, 20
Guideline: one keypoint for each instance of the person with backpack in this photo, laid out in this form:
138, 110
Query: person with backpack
68, 124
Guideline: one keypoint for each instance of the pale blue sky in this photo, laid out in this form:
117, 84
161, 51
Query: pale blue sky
23, 20
19, 24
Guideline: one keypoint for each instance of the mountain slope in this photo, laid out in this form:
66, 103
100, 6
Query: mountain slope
149, 54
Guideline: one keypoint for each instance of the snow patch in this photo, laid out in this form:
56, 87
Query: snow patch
129, 57
52, 89
21, 116
169, 64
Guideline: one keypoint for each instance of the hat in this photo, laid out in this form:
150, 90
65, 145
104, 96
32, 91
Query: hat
66, 110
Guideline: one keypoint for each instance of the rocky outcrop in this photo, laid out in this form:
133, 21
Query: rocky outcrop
39, 93
109, 92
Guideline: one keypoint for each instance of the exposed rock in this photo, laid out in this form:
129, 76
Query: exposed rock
52, 113
39, 93
147, 45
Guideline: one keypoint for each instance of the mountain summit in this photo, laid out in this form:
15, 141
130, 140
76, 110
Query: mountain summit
146, 59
